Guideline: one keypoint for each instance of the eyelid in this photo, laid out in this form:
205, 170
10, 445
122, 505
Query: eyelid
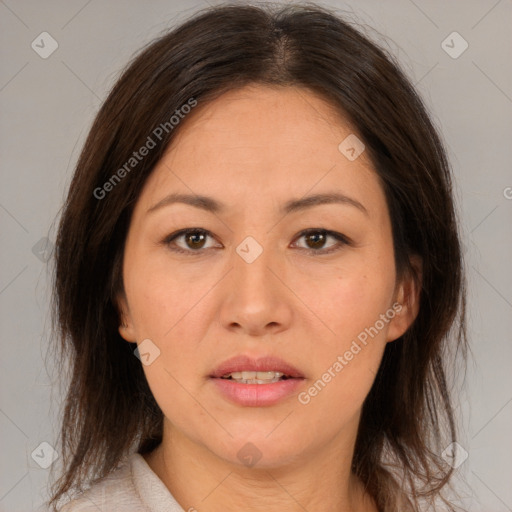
177, 234
342, 240
340, 237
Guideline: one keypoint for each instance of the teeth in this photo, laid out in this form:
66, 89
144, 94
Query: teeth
254, 377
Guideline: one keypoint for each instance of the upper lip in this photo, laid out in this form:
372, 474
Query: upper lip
259, 364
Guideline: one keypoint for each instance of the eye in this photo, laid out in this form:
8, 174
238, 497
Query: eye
193, 238
316, 239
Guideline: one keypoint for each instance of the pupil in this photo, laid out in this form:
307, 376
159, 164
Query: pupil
319, 236
196, 237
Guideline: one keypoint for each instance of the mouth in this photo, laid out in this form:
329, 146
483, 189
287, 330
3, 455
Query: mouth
248, 377
256, 382
261, 370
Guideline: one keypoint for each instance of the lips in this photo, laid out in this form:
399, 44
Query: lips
246, 382
261, 364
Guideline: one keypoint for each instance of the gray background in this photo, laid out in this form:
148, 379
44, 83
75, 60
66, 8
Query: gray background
47, 106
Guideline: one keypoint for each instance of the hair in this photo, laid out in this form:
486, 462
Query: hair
408, 414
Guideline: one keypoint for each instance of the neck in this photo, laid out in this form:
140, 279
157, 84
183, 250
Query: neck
200, 480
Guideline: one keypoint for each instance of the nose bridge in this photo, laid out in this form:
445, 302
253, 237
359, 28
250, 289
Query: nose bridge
255, 300
252, 262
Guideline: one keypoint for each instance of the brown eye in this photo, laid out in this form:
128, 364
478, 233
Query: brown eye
316, 239
195, 239
191, 240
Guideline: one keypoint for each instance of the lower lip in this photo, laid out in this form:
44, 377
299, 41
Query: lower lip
257, 395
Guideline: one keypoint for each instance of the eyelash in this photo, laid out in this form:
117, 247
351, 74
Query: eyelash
342, 240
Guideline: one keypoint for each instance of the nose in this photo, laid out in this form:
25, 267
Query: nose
256, 300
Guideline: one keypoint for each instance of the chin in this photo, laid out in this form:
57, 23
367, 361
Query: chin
258, 451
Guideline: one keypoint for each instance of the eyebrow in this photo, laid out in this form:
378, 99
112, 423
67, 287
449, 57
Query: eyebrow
210, 204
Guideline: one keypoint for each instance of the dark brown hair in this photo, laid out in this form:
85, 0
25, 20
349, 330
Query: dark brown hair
407, 418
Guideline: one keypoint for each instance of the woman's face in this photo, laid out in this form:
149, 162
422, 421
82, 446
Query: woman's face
246, 290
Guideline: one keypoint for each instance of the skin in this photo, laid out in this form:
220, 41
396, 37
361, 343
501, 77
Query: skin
254, 149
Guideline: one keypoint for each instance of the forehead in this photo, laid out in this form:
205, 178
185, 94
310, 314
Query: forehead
276, 141
263, 119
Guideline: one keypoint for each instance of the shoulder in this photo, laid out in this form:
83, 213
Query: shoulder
131, 487
114, 492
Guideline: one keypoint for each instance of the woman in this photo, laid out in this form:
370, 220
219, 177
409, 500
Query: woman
258, 273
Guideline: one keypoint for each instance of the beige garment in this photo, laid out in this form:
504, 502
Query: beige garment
131, 487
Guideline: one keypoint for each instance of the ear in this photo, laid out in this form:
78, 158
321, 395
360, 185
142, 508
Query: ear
406, 300
126, 329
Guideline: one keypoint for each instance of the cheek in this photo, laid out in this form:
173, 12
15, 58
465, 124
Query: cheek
351, 300
172, 309
163, 299
346, 364
352, 305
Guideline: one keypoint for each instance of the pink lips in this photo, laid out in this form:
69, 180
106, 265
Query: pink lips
257, 395
261, 364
